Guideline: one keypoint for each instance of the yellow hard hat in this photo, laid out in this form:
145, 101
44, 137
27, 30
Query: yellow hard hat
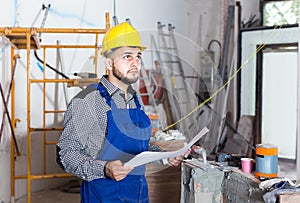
121, 35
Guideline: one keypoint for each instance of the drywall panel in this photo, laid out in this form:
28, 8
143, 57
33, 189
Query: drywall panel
279, 102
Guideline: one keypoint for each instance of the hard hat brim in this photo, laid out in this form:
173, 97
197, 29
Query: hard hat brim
122, 35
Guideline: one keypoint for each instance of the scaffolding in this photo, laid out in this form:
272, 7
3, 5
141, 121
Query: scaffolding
28, 39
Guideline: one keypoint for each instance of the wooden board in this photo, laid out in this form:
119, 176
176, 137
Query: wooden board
289, 198
164, 183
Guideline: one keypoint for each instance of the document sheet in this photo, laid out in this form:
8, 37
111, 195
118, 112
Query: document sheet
148, 156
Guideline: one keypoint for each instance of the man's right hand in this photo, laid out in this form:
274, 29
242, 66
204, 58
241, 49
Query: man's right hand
116, 170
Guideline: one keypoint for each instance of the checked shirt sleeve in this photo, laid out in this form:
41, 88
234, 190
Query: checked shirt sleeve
83, 138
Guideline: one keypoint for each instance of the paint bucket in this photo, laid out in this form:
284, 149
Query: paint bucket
266, 161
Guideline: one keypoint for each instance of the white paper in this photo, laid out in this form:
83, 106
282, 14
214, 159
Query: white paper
147, 156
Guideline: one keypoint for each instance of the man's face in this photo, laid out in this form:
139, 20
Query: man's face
126, 63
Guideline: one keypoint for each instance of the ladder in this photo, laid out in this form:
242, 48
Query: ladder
145, 78
181, 97
156, 58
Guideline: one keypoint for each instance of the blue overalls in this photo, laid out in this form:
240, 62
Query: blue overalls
128, 134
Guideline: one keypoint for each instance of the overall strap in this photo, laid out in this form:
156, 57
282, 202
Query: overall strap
104, 93
136, 100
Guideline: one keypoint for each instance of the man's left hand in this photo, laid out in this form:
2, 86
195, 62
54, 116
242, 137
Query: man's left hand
177, 160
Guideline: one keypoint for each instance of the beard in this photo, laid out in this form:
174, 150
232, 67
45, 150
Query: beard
125, 79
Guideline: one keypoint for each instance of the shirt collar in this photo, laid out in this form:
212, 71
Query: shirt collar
112, 89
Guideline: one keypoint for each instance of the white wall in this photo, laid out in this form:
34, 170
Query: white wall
65, 14
249, 8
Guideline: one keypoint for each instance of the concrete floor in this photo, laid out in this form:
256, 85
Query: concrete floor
67, 193
287, 168
51, 196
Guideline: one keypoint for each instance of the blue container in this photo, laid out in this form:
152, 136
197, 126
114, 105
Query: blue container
266, 161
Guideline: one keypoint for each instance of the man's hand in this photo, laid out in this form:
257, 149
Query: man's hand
116, 170
177, 160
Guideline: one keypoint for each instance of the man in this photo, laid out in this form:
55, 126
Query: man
105, 126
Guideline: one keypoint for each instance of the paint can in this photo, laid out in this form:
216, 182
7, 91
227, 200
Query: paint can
266, 161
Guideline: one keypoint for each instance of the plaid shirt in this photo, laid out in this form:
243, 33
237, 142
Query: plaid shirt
85, 126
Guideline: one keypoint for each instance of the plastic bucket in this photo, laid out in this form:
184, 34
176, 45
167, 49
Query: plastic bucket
266, 161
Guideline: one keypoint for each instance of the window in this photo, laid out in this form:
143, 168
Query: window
284, 12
